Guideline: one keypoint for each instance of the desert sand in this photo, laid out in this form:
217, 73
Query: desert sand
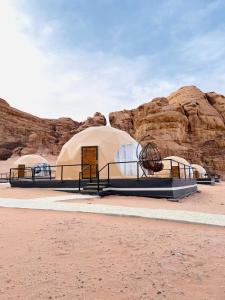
56, 255
68, 255
19, 193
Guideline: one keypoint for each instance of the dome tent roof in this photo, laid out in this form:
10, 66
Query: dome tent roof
30, 160
183, 170
109, 141
199, 168
179, 159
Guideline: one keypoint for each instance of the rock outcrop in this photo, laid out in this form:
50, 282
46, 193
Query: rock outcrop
22, 133
188, 123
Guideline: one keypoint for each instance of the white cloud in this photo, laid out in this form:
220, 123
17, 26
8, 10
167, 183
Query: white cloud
54, 83
206, 48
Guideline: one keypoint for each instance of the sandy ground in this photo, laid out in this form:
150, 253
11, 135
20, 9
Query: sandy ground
19, 193
56, 255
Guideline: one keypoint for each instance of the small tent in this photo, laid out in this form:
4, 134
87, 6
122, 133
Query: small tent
30, 164
96, 147
198, 171
177, 167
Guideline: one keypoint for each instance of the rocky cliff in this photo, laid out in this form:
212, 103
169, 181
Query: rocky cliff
22, 133
187, 123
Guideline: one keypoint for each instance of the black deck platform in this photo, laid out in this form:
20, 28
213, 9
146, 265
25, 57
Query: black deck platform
209, 181
171, 188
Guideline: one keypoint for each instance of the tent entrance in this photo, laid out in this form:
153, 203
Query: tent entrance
89, 156
175, 172
21, 171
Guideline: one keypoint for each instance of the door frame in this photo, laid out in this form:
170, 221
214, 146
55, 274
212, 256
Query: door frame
82, 158
21, 170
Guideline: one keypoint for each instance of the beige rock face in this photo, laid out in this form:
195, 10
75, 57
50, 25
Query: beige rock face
188, 123
22, 133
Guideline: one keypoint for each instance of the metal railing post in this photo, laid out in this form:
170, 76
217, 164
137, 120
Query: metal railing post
79, 182
33, 174
108, 173
137, 170
50, 173
171, 167
179, 169
185, 172
90, 172
98, 180
62, 173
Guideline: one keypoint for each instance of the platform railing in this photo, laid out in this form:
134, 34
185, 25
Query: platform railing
46, 173
175, 169
115, 163
81, 174
183, 171
4, 177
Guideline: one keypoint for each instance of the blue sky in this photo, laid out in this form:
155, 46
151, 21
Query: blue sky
75, 57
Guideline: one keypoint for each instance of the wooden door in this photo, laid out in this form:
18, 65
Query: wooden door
89, 156
21, 171
196, 174
175, 171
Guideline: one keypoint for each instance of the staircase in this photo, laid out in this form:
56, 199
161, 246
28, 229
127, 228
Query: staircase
91, 188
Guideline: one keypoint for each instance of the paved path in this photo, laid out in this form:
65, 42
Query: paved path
59, 203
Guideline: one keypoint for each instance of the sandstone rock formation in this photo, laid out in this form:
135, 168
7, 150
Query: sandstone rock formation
188, 123
22, 133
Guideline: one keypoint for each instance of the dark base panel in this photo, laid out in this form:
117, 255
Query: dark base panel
152, 187
3, 181
40, 183
148, 187
209, 181
47, 184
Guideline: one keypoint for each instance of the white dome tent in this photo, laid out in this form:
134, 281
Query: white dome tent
177, 167
24, 165
199, 171
98, 146
83, 167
